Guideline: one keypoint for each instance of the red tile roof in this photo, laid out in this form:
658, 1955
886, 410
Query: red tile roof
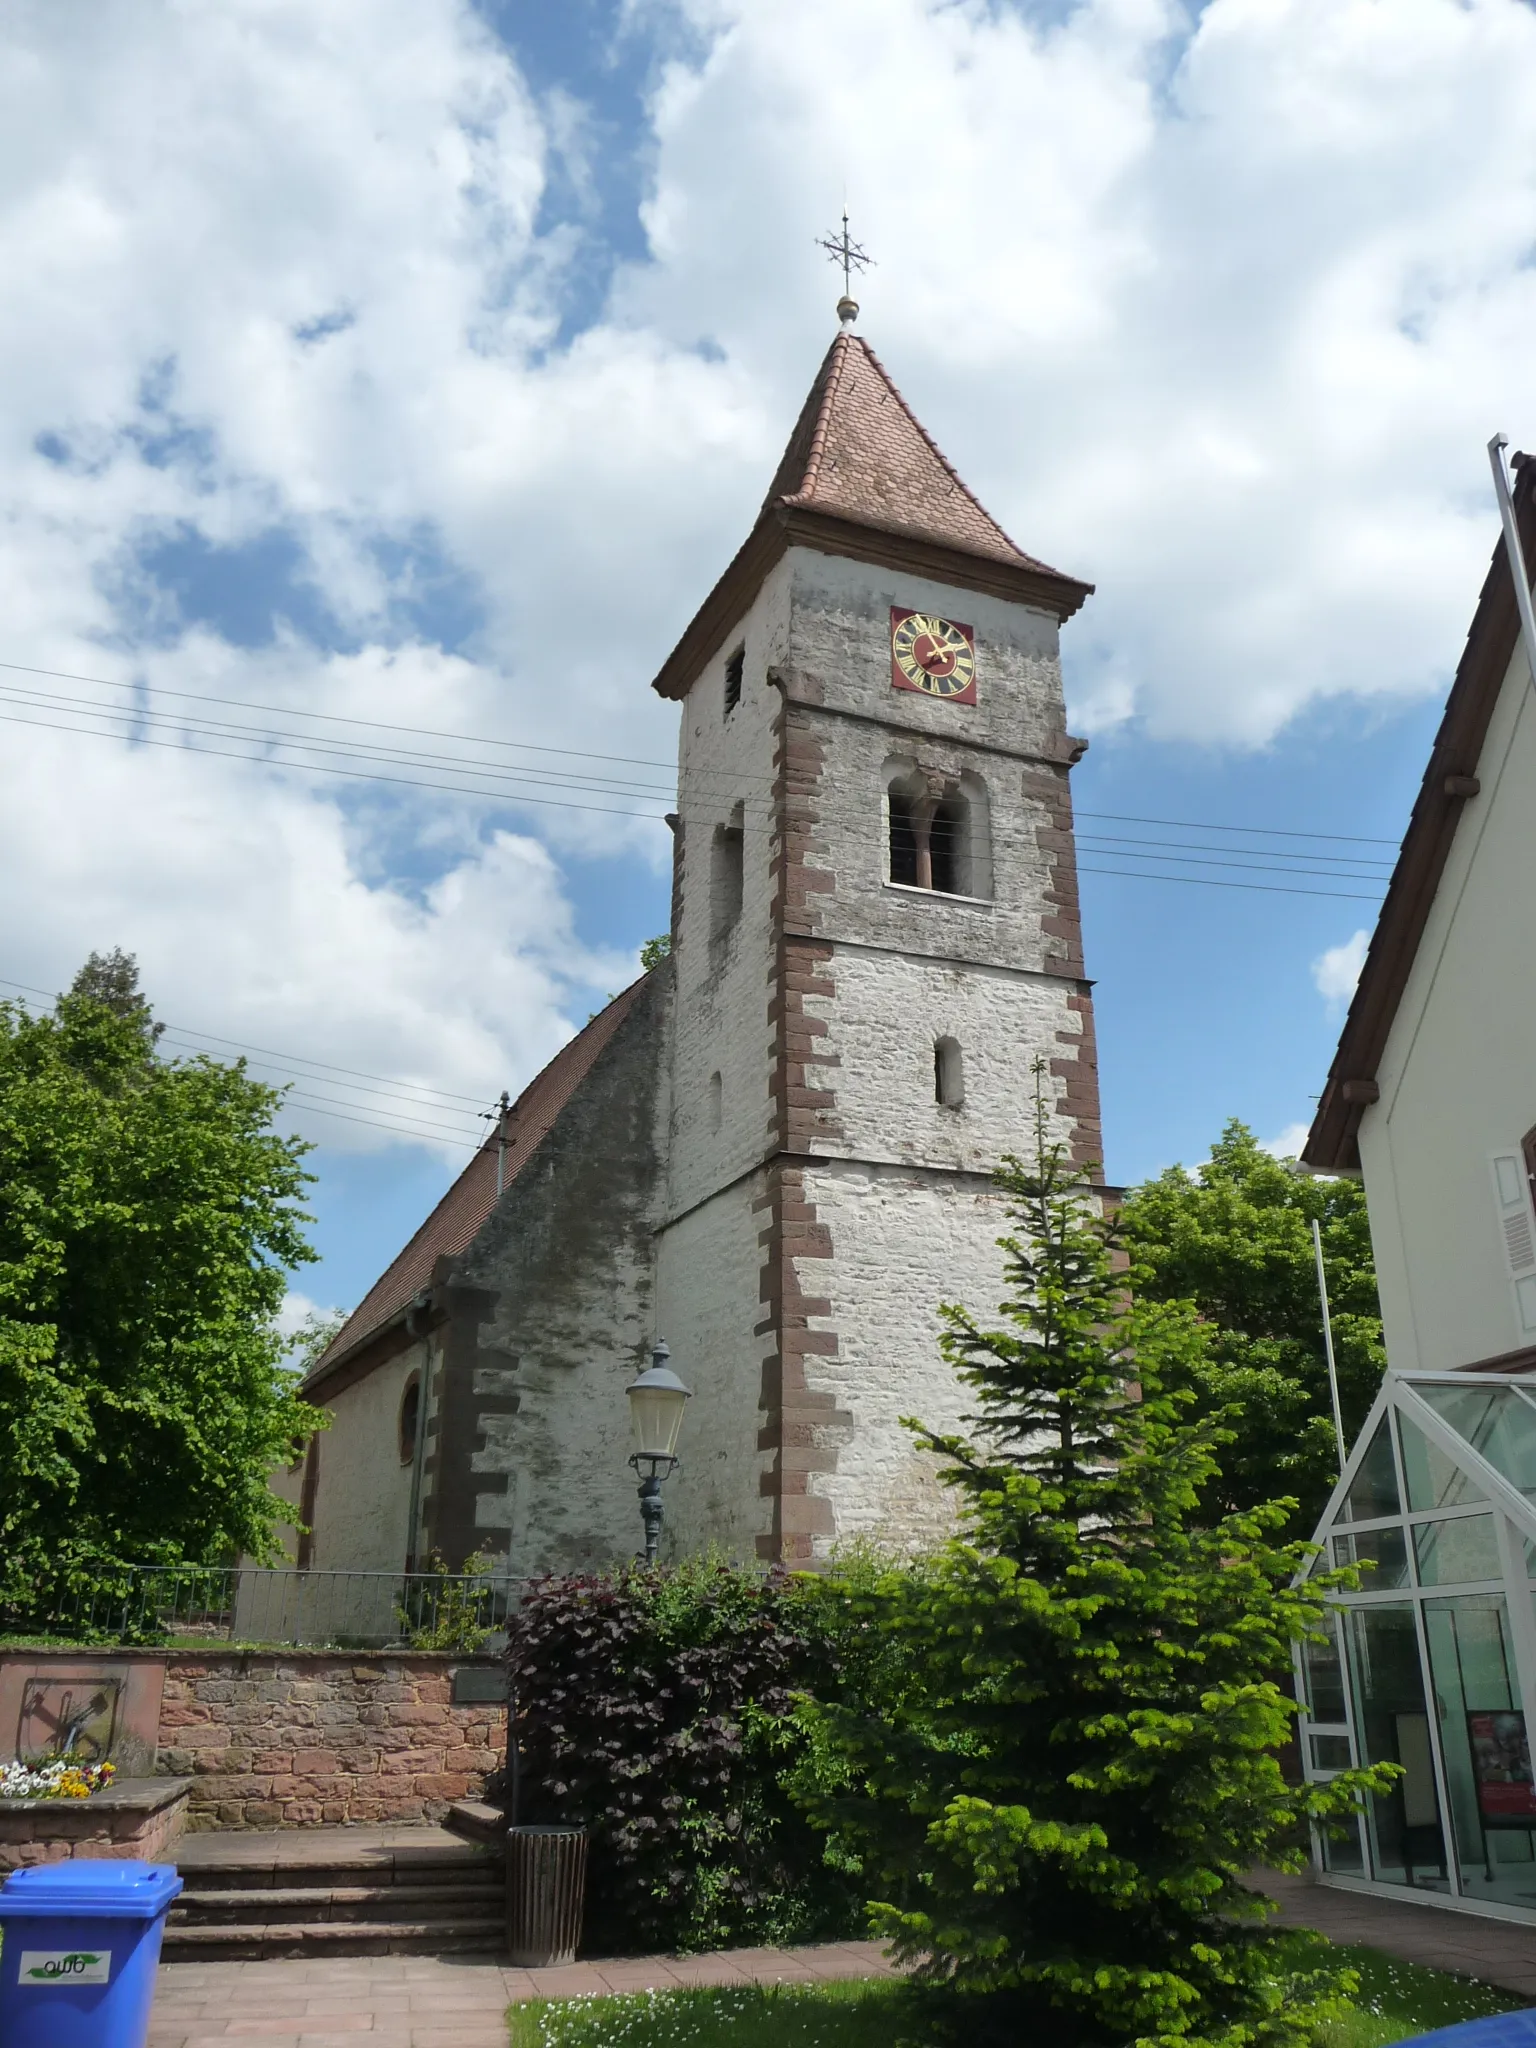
858, 452
861, 478
456, 1220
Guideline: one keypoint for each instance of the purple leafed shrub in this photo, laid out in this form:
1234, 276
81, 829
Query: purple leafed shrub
655, 1708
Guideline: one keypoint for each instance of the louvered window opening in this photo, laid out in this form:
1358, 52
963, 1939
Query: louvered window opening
1431, 1665
1514, 1191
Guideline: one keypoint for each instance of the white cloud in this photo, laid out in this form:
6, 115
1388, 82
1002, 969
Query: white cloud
296, 1311
1336, 971
1288, 1144
1216, 309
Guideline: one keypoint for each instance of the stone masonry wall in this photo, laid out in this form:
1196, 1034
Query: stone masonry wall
297, 1738
123, 1822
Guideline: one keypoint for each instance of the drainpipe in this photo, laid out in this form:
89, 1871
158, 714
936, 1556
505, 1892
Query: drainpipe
419, 1305
1514, 550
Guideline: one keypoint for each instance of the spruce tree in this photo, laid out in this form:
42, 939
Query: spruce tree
1055, 1779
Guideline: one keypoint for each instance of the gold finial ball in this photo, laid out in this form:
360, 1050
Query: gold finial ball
847, 311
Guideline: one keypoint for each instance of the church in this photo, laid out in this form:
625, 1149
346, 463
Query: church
774, 1151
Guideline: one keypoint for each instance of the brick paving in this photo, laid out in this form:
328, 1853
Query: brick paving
424, 2002
1497, 1951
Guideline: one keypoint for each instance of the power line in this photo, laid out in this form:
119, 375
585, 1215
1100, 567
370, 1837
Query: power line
1317, 866
407, 1126
520, 796
1357, 864
448, 1095
335, 718
352, 750
351, 775
1223, 857
1195, 825
436, 1131
141, 713
1210, 882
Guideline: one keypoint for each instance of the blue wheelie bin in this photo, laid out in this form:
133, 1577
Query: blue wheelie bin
79, 1942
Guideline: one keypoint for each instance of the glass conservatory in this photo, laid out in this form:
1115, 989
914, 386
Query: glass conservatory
1432, 1664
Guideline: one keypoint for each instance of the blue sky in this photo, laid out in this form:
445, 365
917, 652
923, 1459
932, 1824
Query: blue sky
419, 364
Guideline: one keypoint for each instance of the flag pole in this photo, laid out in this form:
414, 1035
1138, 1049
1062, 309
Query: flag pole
1514, 550
1333, 1370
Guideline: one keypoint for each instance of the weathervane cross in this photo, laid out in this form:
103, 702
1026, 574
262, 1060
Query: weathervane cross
844, 250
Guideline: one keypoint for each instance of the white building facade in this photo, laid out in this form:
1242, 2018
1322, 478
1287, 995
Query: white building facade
1432, 1097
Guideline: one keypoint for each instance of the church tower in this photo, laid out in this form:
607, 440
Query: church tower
776, 1148
875, 934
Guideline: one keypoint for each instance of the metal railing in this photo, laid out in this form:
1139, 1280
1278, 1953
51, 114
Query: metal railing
249, 1604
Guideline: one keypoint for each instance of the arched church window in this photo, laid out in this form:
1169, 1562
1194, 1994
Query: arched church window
948, 1074
410, 1418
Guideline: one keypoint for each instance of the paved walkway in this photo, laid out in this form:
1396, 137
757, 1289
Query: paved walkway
419, 2002
1498, 1951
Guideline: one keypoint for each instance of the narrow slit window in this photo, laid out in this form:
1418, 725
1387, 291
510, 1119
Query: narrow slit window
735, 668
948, 1074
716, 1095
726, 877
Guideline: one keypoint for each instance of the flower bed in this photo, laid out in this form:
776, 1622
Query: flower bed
55, 1778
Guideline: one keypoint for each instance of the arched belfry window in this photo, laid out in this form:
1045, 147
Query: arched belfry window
937, 832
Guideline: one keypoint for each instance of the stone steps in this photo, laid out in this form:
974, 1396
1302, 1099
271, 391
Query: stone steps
333, 1891
264, 1941
337, 1902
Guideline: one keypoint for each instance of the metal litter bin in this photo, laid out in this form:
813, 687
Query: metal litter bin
79, 1942
546, 1890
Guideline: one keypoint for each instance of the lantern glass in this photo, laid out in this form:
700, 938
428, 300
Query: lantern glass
656, 1403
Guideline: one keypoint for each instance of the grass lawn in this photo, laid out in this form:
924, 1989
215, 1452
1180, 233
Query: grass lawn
1395, 2000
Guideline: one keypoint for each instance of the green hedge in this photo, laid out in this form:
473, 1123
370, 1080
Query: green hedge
655, 1708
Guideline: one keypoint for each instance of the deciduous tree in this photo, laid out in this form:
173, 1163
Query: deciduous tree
148, 1216
1235, 1238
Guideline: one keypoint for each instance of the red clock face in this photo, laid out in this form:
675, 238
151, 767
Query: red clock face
934, 656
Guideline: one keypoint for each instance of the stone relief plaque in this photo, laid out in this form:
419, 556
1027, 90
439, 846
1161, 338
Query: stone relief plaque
68, 1716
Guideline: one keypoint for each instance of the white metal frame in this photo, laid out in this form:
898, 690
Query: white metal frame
1514, 1519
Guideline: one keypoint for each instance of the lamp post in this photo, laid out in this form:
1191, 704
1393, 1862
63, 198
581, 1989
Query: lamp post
656, 1403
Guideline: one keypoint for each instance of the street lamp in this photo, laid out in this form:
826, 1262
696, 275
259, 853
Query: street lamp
656, 1403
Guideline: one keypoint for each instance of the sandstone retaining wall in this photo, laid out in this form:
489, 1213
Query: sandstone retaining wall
294, 1738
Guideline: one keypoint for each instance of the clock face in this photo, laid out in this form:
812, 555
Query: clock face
933, 655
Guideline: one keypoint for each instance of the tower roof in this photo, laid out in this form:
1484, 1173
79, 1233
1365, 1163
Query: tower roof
862, 477
859, 453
